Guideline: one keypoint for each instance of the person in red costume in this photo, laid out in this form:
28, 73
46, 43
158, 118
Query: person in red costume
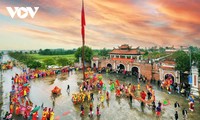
17, 110
35, 116
11, 108
117, 83
143, 95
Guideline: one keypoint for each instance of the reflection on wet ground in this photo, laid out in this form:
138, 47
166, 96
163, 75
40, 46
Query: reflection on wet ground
115, 109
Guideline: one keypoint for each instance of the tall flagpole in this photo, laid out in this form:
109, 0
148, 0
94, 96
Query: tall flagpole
83, 38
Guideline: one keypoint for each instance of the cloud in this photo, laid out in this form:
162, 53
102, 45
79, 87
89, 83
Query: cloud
111, 23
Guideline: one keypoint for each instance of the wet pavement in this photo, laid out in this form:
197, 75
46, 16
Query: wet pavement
115, 109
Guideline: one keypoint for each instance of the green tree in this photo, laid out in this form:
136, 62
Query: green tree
63, 61
87, 51
104, 52
182, 61
34, 64
49, 61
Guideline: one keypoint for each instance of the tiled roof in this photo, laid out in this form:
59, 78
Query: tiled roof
169, 62
124, 46
127, 52
123, 59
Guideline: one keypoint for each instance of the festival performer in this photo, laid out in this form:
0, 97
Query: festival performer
153, 106
90, 108
133, 88
159, 104
11, 108
143, 95
82, 109
6, 115
176, 105
131, 97
48, 114
149, 95
98, 111
35, 116
158, 111
9, 116
44, 116
88, 97
176, 115
107, 95
117, 92
17, 110
184, 112
92, 96
117, 83
191, 106
102, 99
52, 115
138, 86
112, 87
104, 87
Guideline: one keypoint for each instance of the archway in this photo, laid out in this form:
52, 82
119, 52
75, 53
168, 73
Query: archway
109, 66
169, 76
135, 71
120, 68
94, 65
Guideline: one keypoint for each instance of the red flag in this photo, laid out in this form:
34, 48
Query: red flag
83, 22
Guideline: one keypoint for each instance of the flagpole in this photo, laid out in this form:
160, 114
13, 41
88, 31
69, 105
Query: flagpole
83, 58
83, 41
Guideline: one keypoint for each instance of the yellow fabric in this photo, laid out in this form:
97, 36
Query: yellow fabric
52, 116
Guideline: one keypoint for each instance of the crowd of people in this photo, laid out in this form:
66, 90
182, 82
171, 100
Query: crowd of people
20, 103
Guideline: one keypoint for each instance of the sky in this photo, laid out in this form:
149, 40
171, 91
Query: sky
109, 23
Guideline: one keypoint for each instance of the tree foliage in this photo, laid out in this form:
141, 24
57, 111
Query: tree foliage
49, 61
33, 64
182, 61
104, 52
56, 52
64, 61
26, 59
87, 51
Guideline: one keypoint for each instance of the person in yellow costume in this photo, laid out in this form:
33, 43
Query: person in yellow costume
25, 93
44, 116
89, 97
138, 86
83, 97
102, 98
52, 115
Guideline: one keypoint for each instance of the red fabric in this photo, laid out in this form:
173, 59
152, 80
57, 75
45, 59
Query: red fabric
143, 95
158, 113
35, 116
117, 82
83, 22
83, 15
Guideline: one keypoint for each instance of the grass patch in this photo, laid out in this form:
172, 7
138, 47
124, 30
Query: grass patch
42, 57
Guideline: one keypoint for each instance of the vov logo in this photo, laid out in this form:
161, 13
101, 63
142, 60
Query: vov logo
22, 12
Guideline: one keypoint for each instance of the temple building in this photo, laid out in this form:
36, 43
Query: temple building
126, 58
125, 52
